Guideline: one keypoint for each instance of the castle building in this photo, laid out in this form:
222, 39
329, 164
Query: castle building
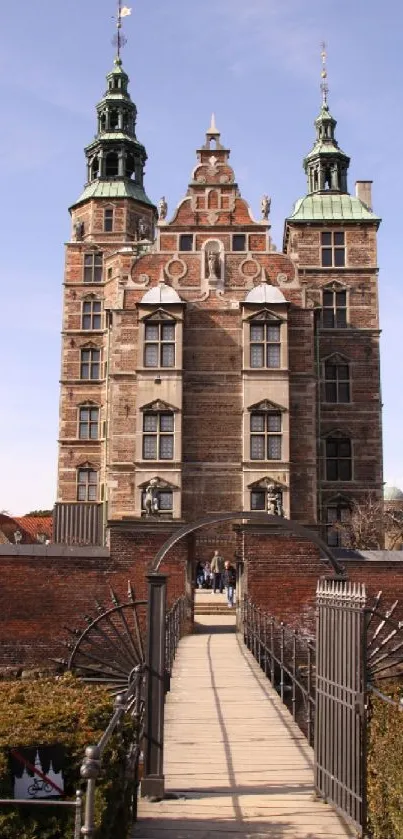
203, 370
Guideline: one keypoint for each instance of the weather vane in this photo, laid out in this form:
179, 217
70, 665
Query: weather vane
119, 40
324, 85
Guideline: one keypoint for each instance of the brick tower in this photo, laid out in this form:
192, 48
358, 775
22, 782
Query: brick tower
202, 370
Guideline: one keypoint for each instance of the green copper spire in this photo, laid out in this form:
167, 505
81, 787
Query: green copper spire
326, 165
116, 159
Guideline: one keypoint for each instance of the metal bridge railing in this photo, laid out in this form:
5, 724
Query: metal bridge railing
174, 630
287, 659
130, 702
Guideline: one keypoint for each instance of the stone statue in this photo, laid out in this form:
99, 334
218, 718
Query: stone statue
212, 264
265, 206
274, 501
144, 228
79, 230
162, 208
151, 498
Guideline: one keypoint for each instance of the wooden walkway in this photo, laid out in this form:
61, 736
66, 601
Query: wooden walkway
236, 765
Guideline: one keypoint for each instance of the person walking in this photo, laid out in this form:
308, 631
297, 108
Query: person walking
217, 568
230, 582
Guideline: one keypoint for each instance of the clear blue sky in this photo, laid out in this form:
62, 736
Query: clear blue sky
256, 63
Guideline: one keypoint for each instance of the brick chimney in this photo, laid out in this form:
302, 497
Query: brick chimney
363, 191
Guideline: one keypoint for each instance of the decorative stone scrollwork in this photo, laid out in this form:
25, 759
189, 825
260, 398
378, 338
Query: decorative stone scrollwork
176, 268
249, 268
212, 218
142, 281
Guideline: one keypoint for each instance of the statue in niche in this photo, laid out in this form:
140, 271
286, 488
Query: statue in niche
274, 501
265, 206
79, 230
162, 208
151, 503
212, 265
144, 228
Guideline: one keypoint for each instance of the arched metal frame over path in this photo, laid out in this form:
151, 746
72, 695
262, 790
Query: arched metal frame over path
250, 516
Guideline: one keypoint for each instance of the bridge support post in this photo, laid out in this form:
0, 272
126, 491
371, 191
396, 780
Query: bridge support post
152, 784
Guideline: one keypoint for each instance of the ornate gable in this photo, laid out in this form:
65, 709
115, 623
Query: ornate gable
162, 483
159, 315
159, 405
266, 406
266, 316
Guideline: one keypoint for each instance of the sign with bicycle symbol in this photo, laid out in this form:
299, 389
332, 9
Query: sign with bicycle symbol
37, 772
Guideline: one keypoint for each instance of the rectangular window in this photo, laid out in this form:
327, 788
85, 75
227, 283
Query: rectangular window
158, 436
337, 382
87, 485
258, 500
333, 249
336, 516
90, 363
334, 309
265, 348
88, 424
338, 459
159, 348
93, 267
265, 436
108, 221
186, 242
91, 314
239, 242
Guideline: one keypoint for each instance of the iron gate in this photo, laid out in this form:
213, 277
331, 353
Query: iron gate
340, 692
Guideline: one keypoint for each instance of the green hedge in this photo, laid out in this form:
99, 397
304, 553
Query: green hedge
385, 766
65, 711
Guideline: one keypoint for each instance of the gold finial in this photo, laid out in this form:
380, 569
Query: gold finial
324, 85
120, 39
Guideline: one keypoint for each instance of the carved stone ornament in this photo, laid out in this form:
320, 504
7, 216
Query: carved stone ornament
142, 281
224, 179
282, 279
176, 268
212, 218
249, 268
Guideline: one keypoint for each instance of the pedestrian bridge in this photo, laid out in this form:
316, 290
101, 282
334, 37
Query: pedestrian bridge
236, 764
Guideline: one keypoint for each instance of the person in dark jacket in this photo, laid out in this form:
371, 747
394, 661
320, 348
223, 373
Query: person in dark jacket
230, 582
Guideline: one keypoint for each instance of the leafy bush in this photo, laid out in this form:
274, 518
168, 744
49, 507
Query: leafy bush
385, 766
67, 712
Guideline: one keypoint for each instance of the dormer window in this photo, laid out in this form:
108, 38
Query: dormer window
159, 344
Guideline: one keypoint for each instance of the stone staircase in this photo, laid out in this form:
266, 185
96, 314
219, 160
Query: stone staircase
207, 603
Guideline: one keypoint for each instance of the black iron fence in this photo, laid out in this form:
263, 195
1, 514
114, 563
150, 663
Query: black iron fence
174, 630
287, 658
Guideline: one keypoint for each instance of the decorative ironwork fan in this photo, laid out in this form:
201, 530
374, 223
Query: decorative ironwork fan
384, 642
110, 649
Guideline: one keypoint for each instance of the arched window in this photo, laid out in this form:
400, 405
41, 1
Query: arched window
94, 168
129, 166
113, 119
338, 458
336, 380
111, 164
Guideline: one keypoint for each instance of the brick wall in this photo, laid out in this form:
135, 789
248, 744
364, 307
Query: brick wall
46, 589
281, 574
